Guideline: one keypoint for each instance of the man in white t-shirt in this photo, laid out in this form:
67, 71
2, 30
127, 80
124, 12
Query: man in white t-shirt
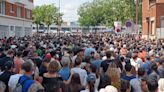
82, 73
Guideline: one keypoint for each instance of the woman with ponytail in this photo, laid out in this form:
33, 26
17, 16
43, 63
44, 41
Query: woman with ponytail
91, 79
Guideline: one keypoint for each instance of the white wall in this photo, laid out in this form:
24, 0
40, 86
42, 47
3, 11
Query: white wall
15, 22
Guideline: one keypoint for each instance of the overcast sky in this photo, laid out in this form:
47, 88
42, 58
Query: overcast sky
68, 7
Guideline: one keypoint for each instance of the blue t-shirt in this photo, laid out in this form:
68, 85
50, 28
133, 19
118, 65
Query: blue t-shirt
147, 67
65, 73
128, 78
97, 63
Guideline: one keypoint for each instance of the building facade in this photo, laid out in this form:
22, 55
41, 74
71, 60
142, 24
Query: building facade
15, 18
153, 19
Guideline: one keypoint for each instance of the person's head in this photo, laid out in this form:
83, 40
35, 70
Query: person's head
109, 89
2, 87
125, 86
128, 67
114, 75
144, 86
28, 67
91, 79
109, 54
10, 53
75, 79
53, 67
46, 62
161, 85
96, 56
65, 61
141, 71
78, 61
154, 66
19, 54
152, 85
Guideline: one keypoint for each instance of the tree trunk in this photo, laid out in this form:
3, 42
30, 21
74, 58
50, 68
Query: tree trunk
48, 29
37, 28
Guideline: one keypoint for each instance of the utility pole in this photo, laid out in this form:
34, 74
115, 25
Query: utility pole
59, 25
137, 8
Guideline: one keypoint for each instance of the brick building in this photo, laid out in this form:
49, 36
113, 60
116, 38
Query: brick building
15, 18
153, 18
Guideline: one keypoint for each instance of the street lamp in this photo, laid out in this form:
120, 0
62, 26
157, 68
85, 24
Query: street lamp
137, 6
59, 20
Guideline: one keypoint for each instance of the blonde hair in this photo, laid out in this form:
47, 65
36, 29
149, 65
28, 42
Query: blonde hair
114, 75
161, 85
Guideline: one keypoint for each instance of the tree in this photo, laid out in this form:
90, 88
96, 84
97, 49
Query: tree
105, 12
37, 16
47, 15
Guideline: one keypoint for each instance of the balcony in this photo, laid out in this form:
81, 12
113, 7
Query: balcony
21, 2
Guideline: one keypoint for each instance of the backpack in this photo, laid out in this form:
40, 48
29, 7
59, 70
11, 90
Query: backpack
21, 84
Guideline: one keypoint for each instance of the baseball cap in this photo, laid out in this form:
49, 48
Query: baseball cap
91, 77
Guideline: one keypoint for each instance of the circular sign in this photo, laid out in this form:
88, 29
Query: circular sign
128, 24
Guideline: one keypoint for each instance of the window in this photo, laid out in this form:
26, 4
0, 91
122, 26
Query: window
151, 2
18, 11
11, 28
28, 14
2, 7
11, 8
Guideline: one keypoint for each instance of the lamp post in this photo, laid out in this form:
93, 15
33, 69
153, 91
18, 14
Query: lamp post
137, 6
59, 20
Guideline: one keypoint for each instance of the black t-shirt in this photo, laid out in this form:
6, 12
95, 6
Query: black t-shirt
53, 84
4, 77
105, 63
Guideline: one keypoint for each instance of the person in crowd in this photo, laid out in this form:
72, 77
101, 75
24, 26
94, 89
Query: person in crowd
114, 75
97, 61
2, 87
136, 82
104, 64
147, 64
7, 58
44, 66
4, 77
65, 72
161, 85
18, 61
75, 84
161, 67
152, 85
125, 86
154, 74
81, 72
128, 76
26, 79
91, 79
109, 88
52, 82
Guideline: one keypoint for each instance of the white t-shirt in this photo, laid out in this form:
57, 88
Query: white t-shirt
13, 81
82, 73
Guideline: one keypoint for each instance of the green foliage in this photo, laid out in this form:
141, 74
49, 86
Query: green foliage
105, 12
47, 15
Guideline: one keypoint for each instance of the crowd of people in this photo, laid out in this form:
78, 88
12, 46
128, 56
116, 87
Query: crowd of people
81, 63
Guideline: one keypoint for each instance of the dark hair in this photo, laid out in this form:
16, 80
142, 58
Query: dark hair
27, 66
78, 61
141, 71
91, 86
128, 67
25, 53
19, 53
124, 85
154, 66
108, 54
75, 83
152, 85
